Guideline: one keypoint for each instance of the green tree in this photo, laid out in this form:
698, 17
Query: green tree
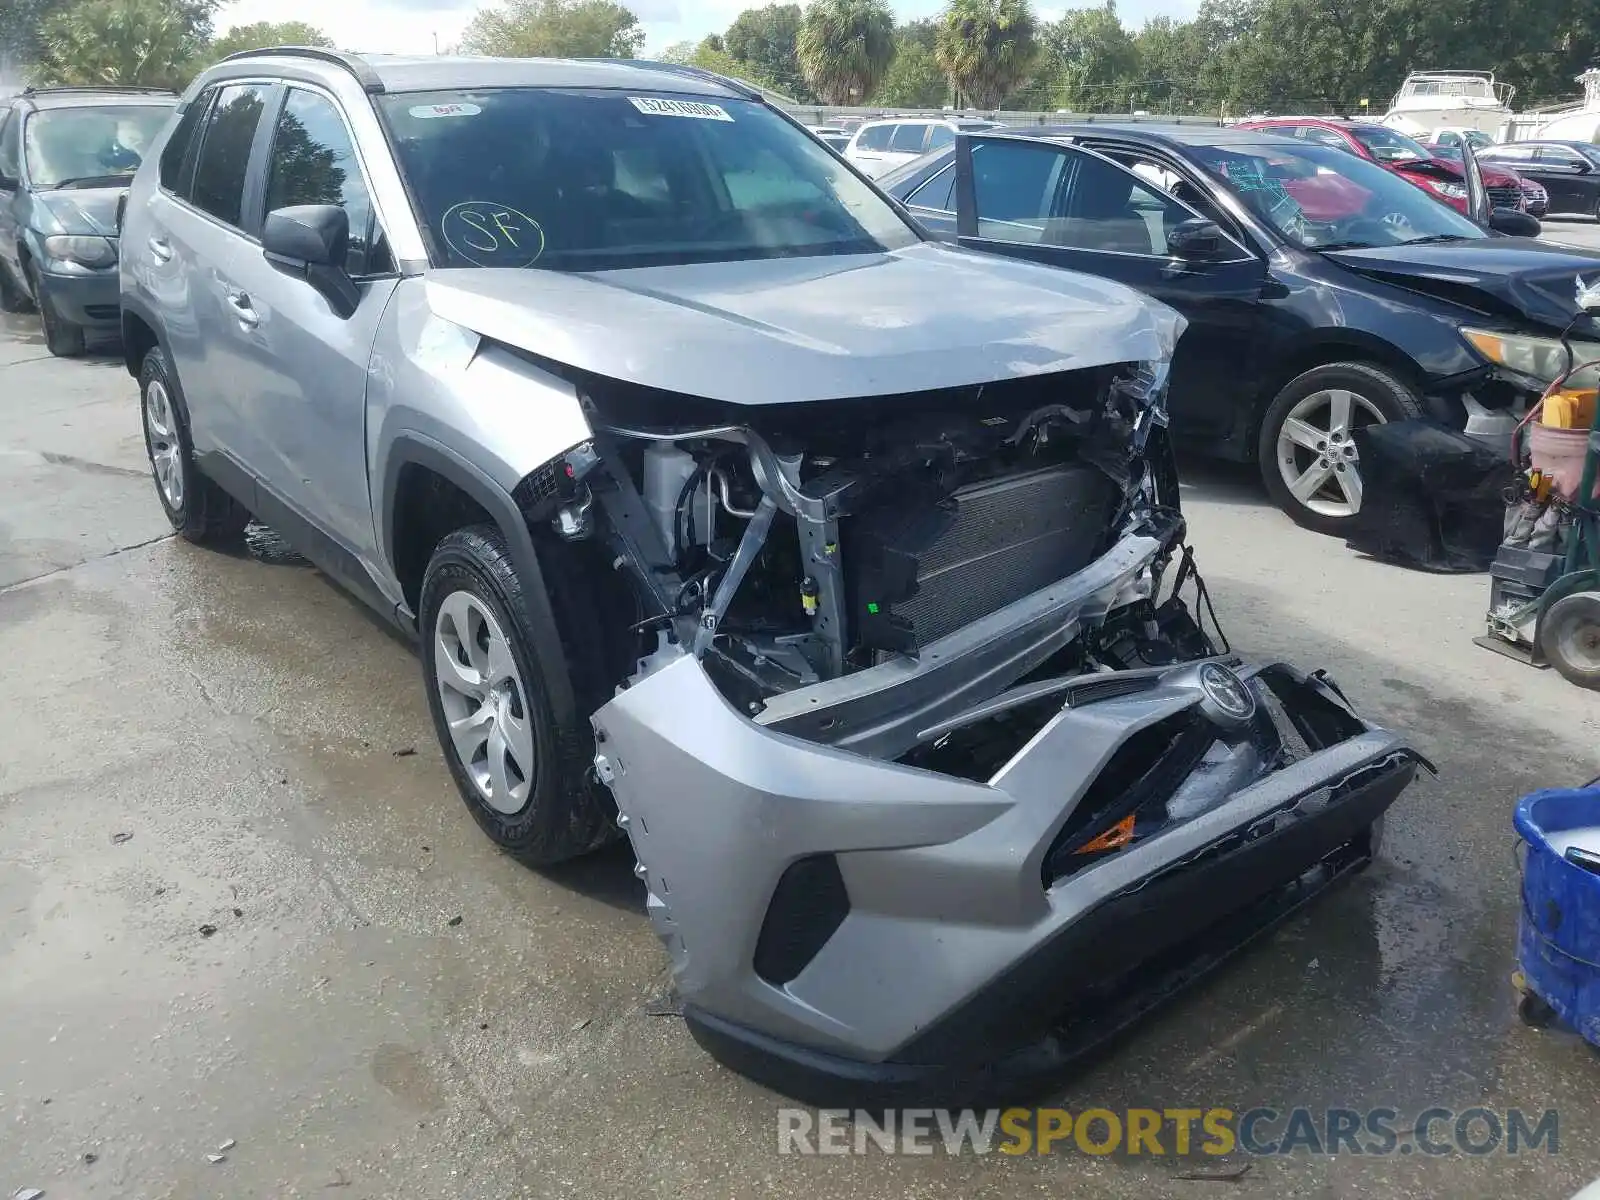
1094, 59
914, 79
555, 29
766, 40
845, 47
145, 43
22, 24
988, 48
266, 33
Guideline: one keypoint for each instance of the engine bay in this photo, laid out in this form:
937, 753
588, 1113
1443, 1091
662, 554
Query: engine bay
788, 546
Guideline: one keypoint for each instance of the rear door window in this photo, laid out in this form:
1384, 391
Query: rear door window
934, 193
908, 138
875, 137
177, 156
224, 160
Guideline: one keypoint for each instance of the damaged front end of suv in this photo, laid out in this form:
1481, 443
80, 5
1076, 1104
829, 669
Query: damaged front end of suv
932, 774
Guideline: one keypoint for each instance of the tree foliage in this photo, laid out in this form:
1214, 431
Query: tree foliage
914, 79
766, 43
988, 48
555, 29
266, 33
845, 47
144, 43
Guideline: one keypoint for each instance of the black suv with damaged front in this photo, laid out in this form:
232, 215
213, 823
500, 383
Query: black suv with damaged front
859, 612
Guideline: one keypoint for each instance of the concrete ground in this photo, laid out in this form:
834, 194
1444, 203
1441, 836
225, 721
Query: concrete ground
239, 900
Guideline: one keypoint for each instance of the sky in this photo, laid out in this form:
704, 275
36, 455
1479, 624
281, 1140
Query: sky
409, 26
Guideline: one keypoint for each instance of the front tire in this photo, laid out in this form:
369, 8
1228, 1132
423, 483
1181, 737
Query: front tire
61, 337
1307, 451
525, 778
199, 510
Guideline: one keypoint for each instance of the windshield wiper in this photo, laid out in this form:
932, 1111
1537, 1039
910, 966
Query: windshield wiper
1434, 238
85, 181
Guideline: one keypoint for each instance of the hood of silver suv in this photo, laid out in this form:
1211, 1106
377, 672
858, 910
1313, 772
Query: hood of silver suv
778, 331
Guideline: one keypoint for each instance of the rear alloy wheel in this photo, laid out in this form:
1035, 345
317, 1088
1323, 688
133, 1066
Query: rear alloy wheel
1309, 460
199, 510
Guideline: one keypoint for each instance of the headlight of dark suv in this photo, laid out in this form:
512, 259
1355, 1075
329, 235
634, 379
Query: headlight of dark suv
84, 251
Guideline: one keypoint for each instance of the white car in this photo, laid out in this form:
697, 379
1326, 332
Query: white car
880, 146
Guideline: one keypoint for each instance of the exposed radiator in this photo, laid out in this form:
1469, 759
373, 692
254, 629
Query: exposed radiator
918, 571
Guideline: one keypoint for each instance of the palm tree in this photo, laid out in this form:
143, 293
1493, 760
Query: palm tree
987, 48
845, 47
152, 43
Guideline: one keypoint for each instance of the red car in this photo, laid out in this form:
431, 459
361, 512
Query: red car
1406, 157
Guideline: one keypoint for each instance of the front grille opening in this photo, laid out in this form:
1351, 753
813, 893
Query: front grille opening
1136, 784
1318, 721
978, 751
808, 906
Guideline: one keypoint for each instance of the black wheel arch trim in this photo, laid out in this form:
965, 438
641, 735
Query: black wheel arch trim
1325, 348
132, 306
415, 449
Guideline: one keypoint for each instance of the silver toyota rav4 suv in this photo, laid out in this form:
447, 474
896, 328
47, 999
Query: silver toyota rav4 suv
841, 570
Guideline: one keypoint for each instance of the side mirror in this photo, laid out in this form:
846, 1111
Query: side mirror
1196, 240
1514, 224
311, 241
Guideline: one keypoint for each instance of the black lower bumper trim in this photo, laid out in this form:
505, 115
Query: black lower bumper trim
1090, 981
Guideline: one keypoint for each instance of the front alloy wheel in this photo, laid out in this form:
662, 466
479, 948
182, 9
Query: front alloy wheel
1307, 445
483, 697
1317, 456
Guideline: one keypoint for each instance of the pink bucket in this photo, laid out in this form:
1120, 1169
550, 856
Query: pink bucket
1559, 454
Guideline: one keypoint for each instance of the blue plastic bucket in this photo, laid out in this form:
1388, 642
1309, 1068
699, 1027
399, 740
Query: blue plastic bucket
1558, 936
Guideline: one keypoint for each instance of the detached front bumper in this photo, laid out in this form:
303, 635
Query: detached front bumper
846, 928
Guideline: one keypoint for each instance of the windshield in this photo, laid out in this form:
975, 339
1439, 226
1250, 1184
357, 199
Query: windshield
1321, 198
67, 145
1387, 146
574, 180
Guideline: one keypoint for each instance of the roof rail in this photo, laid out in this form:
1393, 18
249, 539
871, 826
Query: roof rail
357, 66
96, 87
738, 87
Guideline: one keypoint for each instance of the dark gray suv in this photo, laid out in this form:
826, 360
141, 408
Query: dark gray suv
66, 158
837, 568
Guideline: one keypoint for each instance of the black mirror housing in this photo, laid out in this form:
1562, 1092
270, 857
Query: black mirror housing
1196, 240
316, 235
1513, 223
312, 241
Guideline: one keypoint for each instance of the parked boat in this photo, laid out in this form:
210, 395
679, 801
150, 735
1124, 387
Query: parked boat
1581, 124
1429, 100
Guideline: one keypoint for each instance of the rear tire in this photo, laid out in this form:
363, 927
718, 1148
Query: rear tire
1307, 456
61, 337
526, 778
199, 510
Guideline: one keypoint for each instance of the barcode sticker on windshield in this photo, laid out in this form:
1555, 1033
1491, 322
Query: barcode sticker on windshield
656, 107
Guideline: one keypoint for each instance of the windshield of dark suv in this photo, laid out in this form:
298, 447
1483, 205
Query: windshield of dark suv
1321, 198
581, 180
89, 144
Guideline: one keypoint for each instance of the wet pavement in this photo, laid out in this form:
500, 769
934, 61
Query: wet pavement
228, 892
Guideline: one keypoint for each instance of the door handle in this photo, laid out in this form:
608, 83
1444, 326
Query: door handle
242, 310
160, 249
